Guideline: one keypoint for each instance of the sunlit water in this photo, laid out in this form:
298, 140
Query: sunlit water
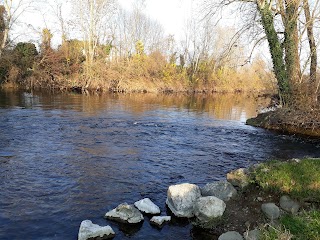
66, 157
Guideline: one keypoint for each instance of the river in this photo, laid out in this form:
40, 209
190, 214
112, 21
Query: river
65, 158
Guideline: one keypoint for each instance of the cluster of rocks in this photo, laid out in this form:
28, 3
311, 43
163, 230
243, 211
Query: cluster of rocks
205, 206
124, 213
272, 212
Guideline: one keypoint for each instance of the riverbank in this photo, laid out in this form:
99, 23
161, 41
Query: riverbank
138, 74
300, 179
139, 87
156, 86
295, 181
269, 201
302, 122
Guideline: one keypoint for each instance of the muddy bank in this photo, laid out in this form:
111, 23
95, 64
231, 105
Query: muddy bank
300, 122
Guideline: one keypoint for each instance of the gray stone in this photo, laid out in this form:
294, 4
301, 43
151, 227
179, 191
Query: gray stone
239, 177
252, 235
207, 209
125, 213
181, 199
271, 210
289, 205
231, 236
259, 199
222, 189
159, 220
147, 206
88, 230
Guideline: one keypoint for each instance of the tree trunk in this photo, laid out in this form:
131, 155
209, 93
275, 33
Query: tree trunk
91, 33
276, 52
4, 40
291, 43
313, 51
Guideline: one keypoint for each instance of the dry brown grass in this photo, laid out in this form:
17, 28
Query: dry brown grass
144, 73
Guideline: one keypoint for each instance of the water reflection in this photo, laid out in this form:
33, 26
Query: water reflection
218, 106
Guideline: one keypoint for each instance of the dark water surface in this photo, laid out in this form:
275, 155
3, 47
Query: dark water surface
66, 157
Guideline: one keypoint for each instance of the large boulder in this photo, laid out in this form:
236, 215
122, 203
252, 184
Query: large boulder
232, 235
239, 178
159, 220
208, 209
88, 230
125, 213
181, 199
271, 210
147, 206
289, 205
222, 189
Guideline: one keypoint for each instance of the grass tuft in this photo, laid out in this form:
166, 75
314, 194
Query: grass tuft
269, 232
306, 225
300, 179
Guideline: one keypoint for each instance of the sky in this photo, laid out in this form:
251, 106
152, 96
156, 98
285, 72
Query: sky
172, 14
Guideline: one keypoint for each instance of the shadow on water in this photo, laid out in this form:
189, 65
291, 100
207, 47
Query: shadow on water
67, 157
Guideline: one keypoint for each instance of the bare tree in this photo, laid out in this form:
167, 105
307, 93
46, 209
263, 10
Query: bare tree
11, 12
60, 9
216, 47
134, 26
92, 16
280, 20
310, 18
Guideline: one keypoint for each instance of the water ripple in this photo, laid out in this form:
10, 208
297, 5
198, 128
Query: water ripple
61, 163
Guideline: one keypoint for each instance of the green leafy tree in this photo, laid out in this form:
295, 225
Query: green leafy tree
25, 55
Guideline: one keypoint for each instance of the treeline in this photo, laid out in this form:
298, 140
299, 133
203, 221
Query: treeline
123, 51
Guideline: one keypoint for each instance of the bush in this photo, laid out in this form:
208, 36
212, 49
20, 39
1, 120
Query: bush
25, 54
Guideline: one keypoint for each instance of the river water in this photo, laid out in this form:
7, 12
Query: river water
67, 157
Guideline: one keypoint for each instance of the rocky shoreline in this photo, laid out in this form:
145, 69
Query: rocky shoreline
301, 122
206, 208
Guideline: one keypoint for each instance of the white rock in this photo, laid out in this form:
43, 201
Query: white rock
159, 220
208, 208
222, 190
88, 230
181, 198
147, 206
231, 236
125, 213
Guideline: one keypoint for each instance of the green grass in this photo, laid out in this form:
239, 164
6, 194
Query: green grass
300, 180
305, 226
275, 233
